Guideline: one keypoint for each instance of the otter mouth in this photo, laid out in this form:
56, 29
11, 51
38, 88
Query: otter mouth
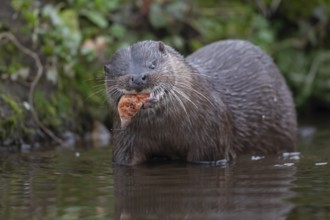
129, 104
124, 92
155, 96
158, 93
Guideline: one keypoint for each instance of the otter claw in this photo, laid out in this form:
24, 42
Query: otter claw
148, 103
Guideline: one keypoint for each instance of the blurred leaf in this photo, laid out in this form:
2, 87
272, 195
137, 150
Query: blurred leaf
96, 17
71, 29
22, 73
177, 9
117, 30
178, 42
52, 74
157, 17
108, 5
51, 12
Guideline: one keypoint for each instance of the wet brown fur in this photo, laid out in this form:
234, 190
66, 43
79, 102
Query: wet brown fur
226, 99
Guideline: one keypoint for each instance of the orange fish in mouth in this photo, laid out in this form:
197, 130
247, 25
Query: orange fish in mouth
129, 105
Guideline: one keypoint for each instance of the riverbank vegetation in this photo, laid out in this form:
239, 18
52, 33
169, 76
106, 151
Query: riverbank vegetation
52, 53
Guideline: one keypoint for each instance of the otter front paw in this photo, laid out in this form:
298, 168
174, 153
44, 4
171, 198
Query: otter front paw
149, 103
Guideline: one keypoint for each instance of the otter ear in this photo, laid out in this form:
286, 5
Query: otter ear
161, 47
107, 68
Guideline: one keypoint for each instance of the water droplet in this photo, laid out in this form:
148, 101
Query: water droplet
257, 157
263, 117
289, 154
27, 105
284, 165
321, 164
275, 99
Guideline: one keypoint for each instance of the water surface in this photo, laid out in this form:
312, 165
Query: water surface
83, 184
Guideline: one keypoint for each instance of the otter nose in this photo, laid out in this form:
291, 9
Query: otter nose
138, 80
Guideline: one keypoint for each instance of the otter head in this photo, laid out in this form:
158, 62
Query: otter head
144, 67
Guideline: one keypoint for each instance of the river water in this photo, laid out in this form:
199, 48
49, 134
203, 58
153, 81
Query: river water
82, 183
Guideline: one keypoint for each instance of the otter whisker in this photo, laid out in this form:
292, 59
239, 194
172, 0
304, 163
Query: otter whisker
162, 89
109, 80
203, 96
171, 104
111, 90
100, 92
114, 93
181, 93
181, 104
191, 89
98, 86
174, 96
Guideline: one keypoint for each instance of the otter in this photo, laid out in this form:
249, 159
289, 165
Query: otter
227, 98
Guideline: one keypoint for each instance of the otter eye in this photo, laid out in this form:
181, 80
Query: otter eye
152, 65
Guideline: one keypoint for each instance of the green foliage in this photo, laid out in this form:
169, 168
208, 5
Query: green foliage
61, 39
48, 111
75, 37
11, 118
29, 11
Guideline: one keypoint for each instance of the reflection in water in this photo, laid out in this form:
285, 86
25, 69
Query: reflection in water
63, 184
56, 185
245, 190
312, 184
